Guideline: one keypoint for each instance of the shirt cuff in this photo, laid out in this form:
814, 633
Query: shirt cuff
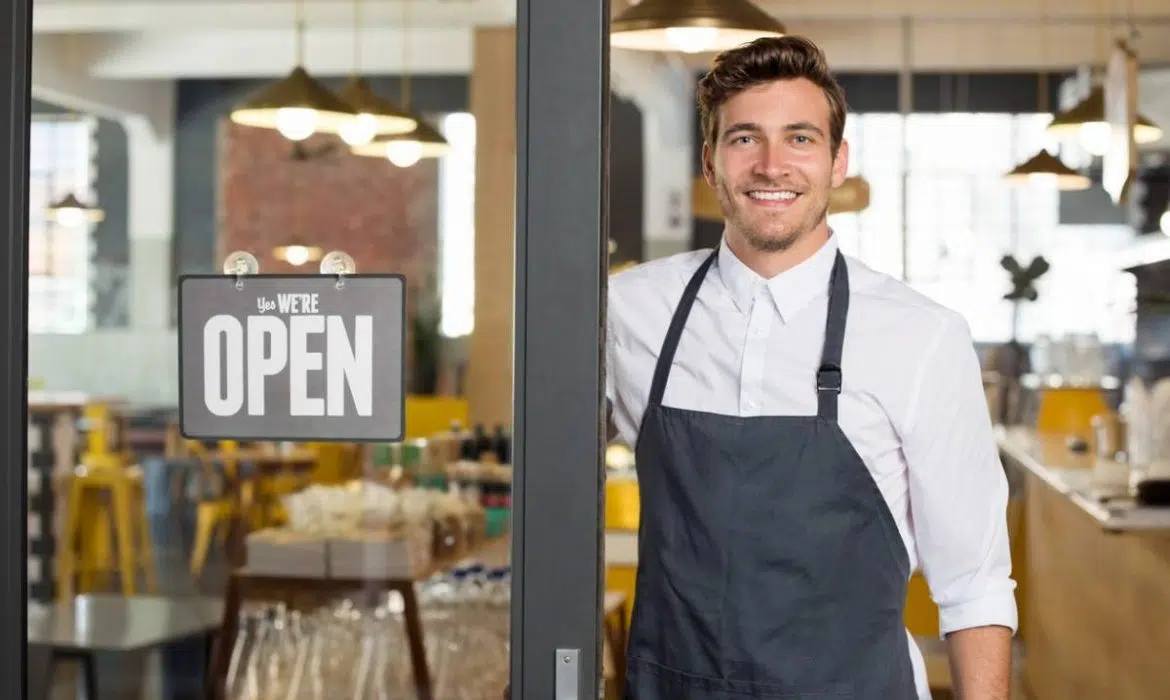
994, 609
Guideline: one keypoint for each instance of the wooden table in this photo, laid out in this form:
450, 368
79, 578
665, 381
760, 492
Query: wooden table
243, 586
92, 624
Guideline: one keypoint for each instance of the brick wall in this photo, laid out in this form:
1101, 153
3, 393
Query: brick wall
382, 215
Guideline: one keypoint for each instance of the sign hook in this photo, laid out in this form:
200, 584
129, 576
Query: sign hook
339, 263
240, 263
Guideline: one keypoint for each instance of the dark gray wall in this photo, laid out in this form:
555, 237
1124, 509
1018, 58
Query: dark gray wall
111, 256
627, 200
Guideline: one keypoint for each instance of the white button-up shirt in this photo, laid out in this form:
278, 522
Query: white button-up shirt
912, 402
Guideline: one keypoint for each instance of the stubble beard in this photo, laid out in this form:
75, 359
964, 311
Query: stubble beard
767, 236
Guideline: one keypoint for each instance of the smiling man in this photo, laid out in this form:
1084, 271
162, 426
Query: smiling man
808, 432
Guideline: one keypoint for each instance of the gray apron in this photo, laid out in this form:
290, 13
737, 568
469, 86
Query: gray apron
769, 564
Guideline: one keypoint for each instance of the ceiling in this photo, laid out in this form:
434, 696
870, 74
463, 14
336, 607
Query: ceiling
159, 39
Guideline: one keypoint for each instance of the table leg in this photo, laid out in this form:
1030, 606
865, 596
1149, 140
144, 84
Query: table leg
89, 676
223, 641
615, 630
418, 648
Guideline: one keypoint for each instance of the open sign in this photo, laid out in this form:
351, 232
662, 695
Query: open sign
292, 357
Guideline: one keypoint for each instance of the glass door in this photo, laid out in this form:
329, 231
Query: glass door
561, 256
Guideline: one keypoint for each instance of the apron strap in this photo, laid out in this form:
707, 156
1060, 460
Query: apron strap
674, 333
829, 378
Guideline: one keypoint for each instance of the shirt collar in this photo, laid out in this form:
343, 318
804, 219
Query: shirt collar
790, 290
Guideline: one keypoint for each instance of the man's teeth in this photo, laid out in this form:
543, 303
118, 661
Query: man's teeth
773, 195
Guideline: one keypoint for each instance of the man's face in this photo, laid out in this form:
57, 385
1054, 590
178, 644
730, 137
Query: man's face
772, 163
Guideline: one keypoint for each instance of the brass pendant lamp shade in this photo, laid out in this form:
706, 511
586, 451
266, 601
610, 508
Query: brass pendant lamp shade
1090, 113
1045, 167
405, 150
71, 211
387, 118
691, 26
298, 106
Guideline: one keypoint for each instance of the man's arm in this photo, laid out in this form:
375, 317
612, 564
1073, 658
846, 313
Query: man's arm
981, 662
958, 501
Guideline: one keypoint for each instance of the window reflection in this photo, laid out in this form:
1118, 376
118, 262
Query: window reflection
61, 160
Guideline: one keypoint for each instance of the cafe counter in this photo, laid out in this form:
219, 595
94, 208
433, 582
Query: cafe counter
1095, 597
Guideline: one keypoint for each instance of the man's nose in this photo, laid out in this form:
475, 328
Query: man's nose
773, 162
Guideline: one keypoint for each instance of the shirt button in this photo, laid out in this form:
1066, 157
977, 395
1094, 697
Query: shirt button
749, 405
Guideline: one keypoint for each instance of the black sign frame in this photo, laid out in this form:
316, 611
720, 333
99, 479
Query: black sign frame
244, 279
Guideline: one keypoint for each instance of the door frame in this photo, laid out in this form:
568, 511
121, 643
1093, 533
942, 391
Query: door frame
562, 251
15, 93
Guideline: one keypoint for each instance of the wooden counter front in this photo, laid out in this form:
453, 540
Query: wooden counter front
1097, 606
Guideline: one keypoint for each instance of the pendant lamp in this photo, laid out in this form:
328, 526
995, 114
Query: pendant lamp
404, 150
376, 115
1086, 122
71, 211
691, 26
298, 106
1045, 167
425, 141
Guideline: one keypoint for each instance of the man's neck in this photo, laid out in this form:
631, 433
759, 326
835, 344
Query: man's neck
768, 264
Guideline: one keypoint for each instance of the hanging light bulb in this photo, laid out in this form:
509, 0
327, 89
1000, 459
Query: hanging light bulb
296, 123
1164, 222
297, 254
404, 153
360, 130
1095, 137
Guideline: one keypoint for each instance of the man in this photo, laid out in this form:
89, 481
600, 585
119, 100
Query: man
808, 432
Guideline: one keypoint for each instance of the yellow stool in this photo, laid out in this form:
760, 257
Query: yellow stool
214, 515
106, 511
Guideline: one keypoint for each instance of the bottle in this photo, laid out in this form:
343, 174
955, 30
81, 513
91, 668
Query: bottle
502, 446
483, 443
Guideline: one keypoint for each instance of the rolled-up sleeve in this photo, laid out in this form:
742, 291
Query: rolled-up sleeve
958, 488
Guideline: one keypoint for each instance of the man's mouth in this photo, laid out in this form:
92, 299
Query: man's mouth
773, 198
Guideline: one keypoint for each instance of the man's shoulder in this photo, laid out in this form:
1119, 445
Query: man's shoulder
661, 276
894, 306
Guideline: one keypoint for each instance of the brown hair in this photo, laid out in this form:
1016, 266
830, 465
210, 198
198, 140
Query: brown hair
763, 61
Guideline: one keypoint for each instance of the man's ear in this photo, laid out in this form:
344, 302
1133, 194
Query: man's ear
709, 164
841, 164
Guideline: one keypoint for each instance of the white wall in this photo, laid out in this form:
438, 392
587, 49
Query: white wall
140, 363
